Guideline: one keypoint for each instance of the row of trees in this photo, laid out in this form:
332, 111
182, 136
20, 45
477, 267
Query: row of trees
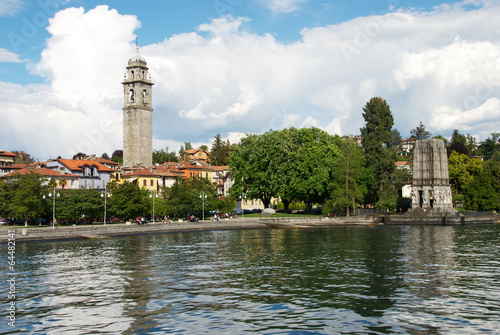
30, 196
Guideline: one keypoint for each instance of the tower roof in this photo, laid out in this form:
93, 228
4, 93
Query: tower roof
136, 57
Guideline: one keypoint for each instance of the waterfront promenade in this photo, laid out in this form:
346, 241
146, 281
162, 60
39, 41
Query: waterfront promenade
100, 231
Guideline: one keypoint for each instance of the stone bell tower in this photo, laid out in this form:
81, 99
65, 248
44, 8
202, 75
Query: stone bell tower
137, 113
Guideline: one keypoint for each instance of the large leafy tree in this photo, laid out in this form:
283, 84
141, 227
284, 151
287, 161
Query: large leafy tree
219, 155
290, 164
250, 167
314, 161
377, 136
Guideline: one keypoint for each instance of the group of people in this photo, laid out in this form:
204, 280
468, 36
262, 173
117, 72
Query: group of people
141, 220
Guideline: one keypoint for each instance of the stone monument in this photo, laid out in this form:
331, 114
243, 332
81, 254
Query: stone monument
431, 190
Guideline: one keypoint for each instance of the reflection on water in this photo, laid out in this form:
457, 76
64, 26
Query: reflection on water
376, 280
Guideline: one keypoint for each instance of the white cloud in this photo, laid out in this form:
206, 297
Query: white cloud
10, 7
448, 117
79, 109
8, 56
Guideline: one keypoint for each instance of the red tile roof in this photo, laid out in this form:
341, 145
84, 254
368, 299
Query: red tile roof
106, 161
44, 172
76, 164
6, 153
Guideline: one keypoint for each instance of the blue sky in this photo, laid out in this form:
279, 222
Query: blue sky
243, 66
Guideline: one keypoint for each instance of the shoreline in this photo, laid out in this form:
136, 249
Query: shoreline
101, 231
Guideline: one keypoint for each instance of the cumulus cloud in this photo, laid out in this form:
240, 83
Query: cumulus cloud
447, 117
79, 107
441, 67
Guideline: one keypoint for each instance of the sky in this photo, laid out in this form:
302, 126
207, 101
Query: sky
236, 67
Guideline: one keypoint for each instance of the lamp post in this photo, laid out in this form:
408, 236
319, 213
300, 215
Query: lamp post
53, 206
105, 195
153, 195
242, 210
203, 197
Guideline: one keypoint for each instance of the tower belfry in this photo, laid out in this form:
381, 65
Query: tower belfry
137, 113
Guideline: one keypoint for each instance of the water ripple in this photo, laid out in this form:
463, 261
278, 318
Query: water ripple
343, 280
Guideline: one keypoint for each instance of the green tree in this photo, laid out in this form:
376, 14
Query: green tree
22, 196
377, 136
249, 166
420, 133
219, 155
457, 137
397, 141
163, 155
186, 146
314, 163
483, 192
490, 146
128, 202
348, 183
462, 170
117, 156
105, 156
185, 198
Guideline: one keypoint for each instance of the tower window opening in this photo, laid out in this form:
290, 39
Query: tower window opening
142, 74
132, 74
144, 96
131, 95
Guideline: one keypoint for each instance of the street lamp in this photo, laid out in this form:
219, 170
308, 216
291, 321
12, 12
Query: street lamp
53, 206
105, 195
203, 197
242, 210
155, 196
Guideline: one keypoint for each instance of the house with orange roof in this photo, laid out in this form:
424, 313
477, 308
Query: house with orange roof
404, 165
194, 170
92, 174
168, 174
198, 154
6, 160
63, 180
108, 163
145, 178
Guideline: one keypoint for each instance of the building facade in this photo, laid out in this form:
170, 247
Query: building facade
137, 114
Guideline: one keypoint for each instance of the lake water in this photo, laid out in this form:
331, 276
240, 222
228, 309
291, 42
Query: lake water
336, 280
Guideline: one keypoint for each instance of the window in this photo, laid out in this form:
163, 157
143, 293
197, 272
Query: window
132, 74
199, 174
145, 182
192, 175
144, 96
151, 182
206, 175
131, 95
